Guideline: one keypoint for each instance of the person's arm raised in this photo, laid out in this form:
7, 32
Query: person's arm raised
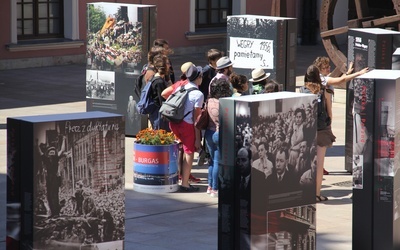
338, 81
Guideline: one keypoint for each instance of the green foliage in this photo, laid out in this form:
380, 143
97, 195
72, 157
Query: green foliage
97, 18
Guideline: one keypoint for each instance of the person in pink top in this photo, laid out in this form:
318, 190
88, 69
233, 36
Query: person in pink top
219, 88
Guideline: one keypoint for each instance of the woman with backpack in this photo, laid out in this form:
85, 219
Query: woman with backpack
323, 65
158, 84
325, 137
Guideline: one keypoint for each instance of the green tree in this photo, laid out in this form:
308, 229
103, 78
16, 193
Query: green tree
96, 19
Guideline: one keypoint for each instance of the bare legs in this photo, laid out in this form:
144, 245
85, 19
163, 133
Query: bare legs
186, 168
320, 168
180, 159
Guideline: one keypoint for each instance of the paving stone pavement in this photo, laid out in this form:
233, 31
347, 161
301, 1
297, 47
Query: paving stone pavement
175, 220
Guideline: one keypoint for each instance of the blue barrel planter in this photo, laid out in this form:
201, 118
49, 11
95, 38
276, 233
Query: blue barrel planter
155, 168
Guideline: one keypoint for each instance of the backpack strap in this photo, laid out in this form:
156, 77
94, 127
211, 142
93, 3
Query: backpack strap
188, 90
154, 90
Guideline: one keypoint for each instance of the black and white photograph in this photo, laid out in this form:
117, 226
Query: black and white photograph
291, 228
265, 42
133, 115
79, 187
362, 118
384, 167
252, 41
279, 148
258, 27
114, 38
396, 205
282, 147
358, 171
100, 85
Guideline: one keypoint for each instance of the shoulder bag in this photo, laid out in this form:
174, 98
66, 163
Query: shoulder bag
202, 120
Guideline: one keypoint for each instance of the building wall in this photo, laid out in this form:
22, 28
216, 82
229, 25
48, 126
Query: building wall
256, 7
264, 8
173, 18
5, 27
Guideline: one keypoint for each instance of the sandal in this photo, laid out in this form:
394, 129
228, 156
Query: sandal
194, 179
321, 198
189, 189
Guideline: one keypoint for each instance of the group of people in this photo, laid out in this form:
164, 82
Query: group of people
283, 139
283, 134
98, 89
115, 45
216, 80
89, 219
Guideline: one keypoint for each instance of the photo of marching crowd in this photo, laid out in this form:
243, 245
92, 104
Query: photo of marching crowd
114, 42
100, 85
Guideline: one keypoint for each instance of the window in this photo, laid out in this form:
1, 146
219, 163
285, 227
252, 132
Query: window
212, 13
40, 19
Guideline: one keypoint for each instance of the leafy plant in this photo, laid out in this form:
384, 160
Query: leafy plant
155, 137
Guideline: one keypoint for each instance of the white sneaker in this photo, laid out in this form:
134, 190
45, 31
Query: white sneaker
209, 190
214, 193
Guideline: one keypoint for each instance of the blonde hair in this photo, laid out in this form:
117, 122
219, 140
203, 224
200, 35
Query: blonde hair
321, 61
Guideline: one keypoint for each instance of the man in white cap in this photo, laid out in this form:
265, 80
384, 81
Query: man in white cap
259, 79
224, 69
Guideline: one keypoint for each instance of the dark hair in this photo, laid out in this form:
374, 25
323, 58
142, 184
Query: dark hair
220, 88
155, 50
238, 81
160, 42
220, 70
160, 64
312, 74
302, 112
262, 82
312, 79
271, 86
282, 150
281, 135
214, 55
265, 144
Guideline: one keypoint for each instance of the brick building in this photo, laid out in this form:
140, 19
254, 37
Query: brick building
39, 33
